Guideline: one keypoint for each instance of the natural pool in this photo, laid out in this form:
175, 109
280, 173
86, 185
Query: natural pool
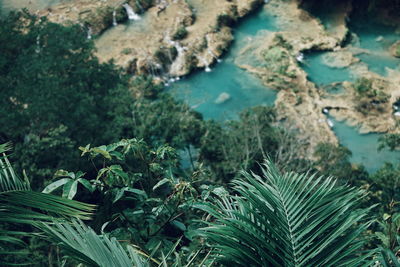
364, 147
320, 73
374, 40
202, 89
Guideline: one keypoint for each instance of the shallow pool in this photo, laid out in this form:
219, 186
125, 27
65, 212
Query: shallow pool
202, 89
364, 147
376, 39
321, 74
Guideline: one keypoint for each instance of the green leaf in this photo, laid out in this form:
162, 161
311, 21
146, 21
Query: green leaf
86, 184
179, 225
85, 149
119, 195
82, 244
136, 191
386, 216
53, 186
160, 183
102, 151
70, 188
288, 220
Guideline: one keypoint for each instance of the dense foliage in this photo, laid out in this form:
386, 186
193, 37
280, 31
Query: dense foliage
159, 174
55, 94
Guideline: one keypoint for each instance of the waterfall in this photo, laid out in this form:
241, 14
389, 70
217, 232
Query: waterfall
207, 67
115, 23
213, 55
131, 14
176, 66
300, 57
209, 51
37, 50
89, 33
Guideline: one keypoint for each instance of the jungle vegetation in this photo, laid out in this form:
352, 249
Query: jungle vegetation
101, 169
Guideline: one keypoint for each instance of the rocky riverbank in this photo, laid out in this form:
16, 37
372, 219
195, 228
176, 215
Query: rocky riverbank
172, 37
171, 41
300, 103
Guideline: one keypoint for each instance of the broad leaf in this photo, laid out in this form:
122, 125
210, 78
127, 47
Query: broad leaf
53, 186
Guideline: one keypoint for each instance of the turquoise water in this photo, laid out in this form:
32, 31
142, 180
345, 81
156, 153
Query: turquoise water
201, 89
320, 73
377, 39
364, 147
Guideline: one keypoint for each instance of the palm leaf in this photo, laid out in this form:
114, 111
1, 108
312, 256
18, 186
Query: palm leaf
288, 220
81, 243
18, 204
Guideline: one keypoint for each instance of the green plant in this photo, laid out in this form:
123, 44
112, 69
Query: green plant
63, 72
69, 182
20, 205
180, 33
287, 220
277, 60
391, 141
390, 238
362, 85
81, 243
126, 51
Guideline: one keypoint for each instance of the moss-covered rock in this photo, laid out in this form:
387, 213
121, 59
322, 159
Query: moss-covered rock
276, 60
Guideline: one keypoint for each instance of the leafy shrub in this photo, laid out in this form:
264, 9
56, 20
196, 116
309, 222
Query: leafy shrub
277, 60
180, 33
362, 85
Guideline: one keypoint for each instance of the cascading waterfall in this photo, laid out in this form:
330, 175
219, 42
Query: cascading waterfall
209, 51
131, 14
180, 58
89, 33
207, 66
115, 23
300, 57
37, 50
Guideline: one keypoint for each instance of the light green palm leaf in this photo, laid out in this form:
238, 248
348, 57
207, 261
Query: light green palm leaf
81, 243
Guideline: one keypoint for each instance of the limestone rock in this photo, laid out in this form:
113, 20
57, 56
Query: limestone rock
395, 49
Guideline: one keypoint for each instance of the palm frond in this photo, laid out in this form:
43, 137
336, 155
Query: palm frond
8, 179
288, 220
81, 243
388, 259
28, 206
5, 147
18, 204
